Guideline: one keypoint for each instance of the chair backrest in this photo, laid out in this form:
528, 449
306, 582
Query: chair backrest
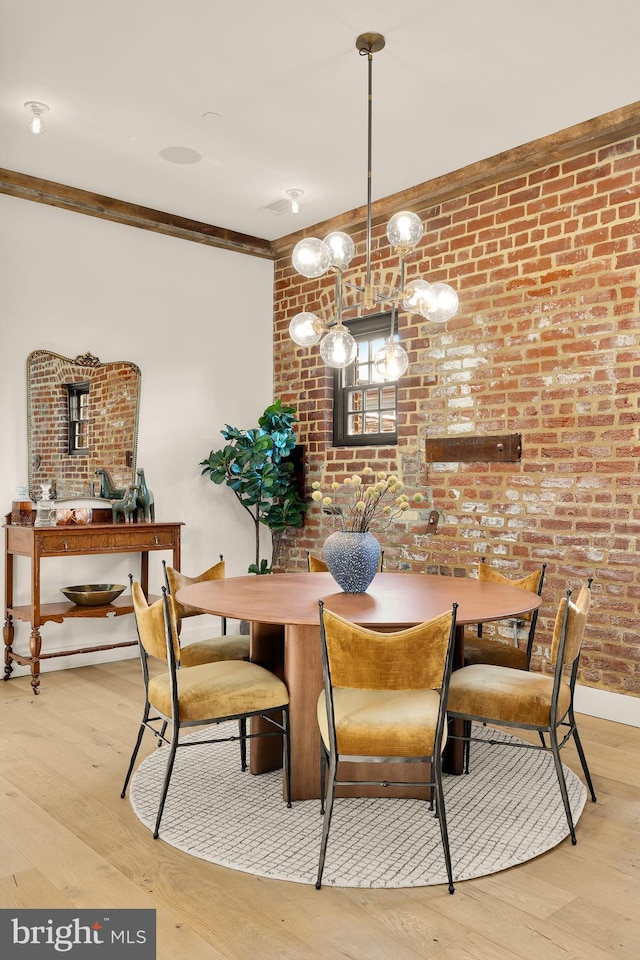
568, 630
410, 659
315, 565
532, 582
158, 637
151, 624
174, 580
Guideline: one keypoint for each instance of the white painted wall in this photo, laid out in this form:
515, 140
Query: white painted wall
196, 320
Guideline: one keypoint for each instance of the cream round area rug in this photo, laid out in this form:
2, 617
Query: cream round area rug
507, 810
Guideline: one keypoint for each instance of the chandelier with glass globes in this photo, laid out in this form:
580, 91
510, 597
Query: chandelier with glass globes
313, 258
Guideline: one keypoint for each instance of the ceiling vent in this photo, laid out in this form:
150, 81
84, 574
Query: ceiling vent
278, 207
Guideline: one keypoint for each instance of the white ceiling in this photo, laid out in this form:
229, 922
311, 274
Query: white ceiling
458, 81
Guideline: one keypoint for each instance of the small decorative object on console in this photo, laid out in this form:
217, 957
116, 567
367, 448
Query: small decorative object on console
126, 506
93, 594
45, 508
145, 509
22, 508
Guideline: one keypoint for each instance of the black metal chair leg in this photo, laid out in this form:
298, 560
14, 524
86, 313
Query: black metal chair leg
583, 761
442, 817
287, 755
136, 748
466, 747
323, 775
333, 766
562, 784
242, 728
167, 777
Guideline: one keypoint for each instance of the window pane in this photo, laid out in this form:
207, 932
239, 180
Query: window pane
355, 400
375, 376
372, 423
388, 422
372, 400
354, 426
388, 396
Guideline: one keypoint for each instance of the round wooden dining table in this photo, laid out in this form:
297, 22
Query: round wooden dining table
285, 637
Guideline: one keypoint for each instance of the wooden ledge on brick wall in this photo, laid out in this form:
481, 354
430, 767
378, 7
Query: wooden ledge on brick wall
504, 448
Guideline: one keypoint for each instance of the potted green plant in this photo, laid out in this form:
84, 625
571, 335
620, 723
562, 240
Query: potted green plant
255, 464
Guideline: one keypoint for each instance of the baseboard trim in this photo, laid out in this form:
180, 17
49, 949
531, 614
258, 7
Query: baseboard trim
609, 706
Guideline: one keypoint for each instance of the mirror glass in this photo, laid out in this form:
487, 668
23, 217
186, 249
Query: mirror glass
82, 425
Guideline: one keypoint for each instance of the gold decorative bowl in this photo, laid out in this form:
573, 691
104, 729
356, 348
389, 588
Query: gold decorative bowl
93, 594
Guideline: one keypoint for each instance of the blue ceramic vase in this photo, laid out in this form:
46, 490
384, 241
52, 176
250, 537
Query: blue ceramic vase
352, 559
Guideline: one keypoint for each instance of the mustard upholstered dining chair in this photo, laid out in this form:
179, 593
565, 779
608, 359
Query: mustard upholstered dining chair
480, 649
504, 696
202, 695
219, 647
485, 650
316, 565
384, 701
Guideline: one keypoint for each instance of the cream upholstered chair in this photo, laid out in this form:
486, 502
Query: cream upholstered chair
384, 701
485, 650
222, 647
202, 695
315, 565
490, 694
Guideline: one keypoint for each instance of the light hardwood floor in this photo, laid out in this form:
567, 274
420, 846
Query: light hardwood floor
68, 840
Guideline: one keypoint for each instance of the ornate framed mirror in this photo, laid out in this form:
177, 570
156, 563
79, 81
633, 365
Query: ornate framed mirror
82, 424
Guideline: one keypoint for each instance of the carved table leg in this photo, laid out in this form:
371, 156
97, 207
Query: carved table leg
35, 643
7, 633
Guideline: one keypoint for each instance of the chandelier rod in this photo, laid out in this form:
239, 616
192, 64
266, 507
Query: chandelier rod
369, 159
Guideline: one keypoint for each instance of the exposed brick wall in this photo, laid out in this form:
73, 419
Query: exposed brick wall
546, 344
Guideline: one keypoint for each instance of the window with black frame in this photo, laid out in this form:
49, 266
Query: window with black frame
365, 406
78, 417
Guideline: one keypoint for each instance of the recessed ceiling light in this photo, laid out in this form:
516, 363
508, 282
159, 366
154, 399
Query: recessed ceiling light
211, 115
180, 155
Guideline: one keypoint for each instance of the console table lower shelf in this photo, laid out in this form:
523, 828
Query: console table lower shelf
58, 612
91, 539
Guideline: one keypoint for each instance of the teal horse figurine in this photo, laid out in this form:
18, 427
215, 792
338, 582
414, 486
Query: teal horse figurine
126, 506
108, 489
146, 509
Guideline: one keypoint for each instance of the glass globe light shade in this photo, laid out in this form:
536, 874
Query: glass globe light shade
445, 305
391, 360
418, 297
311, 257
338, 348
405, 230
342, 249
302, 329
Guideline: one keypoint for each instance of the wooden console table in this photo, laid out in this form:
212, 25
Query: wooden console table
74, 540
